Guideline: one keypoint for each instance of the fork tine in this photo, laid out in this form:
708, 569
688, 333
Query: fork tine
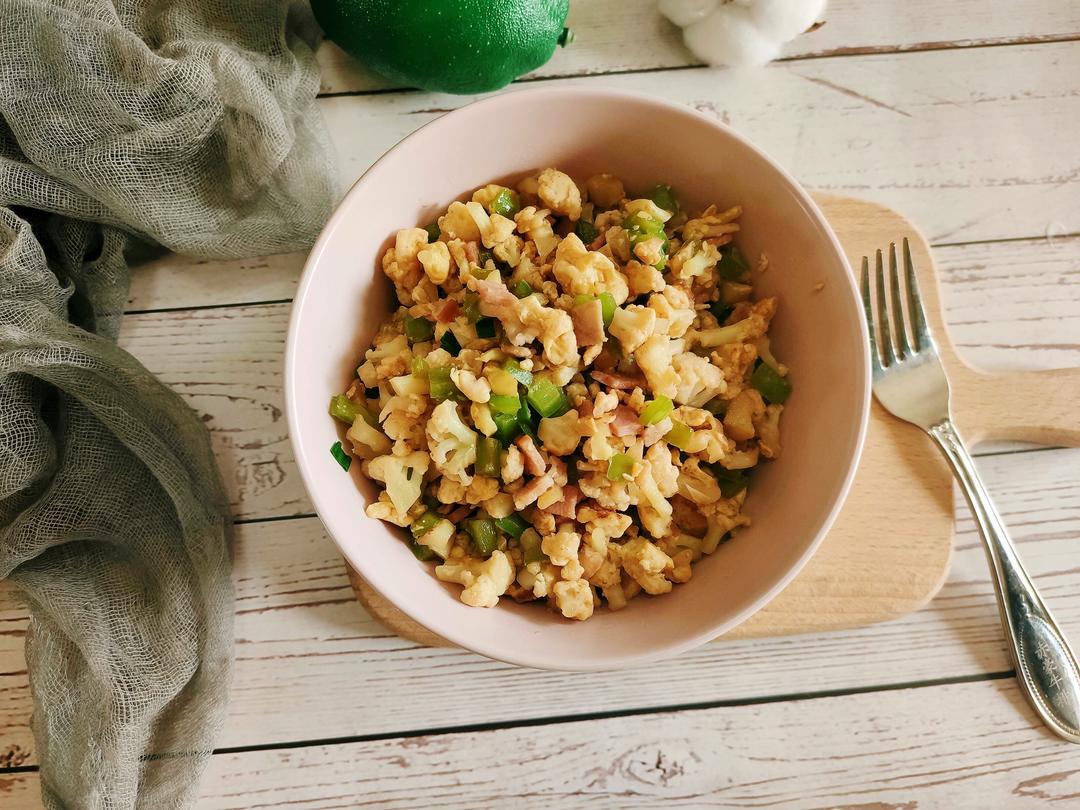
869, 310
899, 327
915, 308
883, 312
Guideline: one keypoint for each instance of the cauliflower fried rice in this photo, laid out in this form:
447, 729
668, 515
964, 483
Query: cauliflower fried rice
567, 401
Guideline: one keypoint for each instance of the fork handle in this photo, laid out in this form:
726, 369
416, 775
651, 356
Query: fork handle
1046, 667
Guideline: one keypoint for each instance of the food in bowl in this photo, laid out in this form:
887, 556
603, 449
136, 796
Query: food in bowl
566, 403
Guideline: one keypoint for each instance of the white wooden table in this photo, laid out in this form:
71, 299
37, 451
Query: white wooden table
964, 116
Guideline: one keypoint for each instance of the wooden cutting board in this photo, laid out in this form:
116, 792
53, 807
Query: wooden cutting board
888, 553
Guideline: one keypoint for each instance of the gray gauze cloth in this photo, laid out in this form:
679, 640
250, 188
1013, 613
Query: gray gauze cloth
191, 125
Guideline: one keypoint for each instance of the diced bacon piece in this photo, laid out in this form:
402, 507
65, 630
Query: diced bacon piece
534, 462
626, 422
621, 381
567, 507
531, 491
472, 252
588, 318
448, 311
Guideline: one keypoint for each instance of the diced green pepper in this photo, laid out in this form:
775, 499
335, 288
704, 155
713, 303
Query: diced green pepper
343, 409
472, 307
513, 524
483, 534
506, 426
506, 203
501, 404
530, 547
485, 327
547, 399
480, 271
586, 231
522, 289
433, 231
583, 299
772, 386
418, 330
679, 435
421, 552
619, 465
664, 197
731, 482
441, 387
425, 523
640, 227
514, 369
525, 420
656, 410
486, 255
418, 366
450, 342
340, 456
732, 265
607, 307
488, 457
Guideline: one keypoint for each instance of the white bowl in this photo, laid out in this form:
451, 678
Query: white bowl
820, 335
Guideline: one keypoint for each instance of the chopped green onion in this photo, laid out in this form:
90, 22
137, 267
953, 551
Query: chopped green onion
771, 385
425, 523
530, 547
586, 231
513, 524
433, 231
732, 265
421, 552
486, 255
619, 465
339, 454
418, 366
640, 227
480, 271
514, 369
418, 330
504, 404
525, 420
583, 299
731, 482
343, 409
441, 387
547, 399
483, 534
656, 410
506, 203
472, 307
607, 307
485, 328
522, 289
664, 197
720, 311
506, 426
488, 457
449, 342
679, 435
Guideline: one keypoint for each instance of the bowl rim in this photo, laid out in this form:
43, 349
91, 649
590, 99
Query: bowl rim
446, 629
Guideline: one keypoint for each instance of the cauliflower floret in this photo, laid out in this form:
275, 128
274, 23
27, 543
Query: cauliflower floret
481, 489
768, 431
574, 598
680, 561
435, 259
538, 578
402, 476
711, 225
608, 578
400, 263
458, 223
674, 311
595, 484
451, 443
632, 325
494, 228
439, 538
643, 279
605, 190
534, 223
646, 563
499, 505
696, 484
513, 465
581, 271
618, 244
598, 439
647, 208
481, 417
366, 441
723, 516
385, 360
484, 580
708, 439
476, 389
559, 434
559, 193
657, 481
602, 525
743, 412
526, 319
384, 509
654, 358
562, 546
746, 330
699, 380
450, 491
402, 419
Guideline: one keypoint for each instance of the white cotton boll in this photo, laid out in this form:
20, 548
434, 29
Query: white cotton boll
685, 12
785, 19
729, 36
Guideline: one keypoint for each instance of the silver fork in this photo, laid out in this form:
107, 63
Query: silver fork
910, 382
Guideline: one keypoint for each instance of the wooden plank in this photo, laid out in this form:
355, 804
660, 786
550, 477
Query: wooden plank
962, 745
304, 643
971, 145
614, 36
